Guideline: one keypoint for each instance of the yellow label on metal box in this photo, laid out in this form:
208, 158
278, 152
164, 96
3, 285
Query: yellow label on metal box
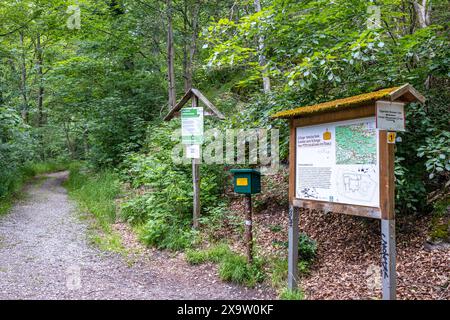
242, 181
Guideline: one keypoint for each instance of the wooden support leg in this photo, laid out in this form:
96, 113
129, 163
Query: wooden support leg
293, 248
388, 259
196, 183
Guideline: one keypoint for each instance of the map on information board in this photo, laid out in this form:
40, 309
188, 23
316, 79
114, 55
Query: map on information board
338, 162
356, 144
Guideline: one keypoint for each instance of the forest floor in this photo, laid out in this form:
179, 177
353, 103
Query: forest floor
45, 253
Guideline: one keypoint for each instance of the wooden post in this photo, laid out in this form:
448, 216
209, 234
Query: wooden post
248, 228
196, 180
293, 248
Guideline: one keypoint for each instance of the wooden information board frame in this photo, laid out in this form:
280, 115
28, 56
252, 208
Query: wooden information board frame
352, 108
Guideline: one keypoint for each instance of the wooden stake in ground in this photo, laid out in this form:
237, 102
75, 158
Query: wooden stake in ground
196, 181
248, 228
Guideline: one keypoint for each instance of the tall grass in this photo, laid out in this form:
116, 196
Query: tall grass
95, 193
232, 266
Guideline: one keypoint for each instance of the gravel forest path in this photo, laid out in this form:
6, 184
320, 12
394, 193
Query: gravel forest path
45, 254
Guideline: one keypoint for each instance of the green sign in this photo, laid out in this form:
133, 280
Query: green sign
192, 125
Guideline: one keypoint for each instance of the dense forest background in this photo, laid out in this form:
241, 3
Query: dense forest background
97, 91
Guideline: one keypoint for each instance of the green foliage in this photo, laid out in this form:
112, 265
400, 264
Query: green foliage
440, 223
307, 247
232, 267
95, 193
235, 268
317, 51
437, 153
215, 254
36, 168
16, 149
174, 234
165, 208
287, 294
278, 270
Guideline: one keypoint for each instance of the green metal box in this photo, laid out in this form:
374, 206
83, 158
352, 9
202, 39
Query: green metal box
246, 181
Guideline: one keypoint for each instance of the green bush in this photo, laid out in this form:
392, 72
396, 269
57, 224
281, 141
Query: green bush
16, 149
165, 208
307, 248
171, 235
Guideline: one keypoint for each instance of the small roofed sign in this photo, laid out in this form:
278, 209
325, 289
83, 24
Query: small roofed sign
390, 116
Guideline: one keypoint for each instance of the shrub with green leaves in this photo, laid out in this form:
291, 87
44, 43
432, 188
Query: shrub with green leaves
307, 248
16, 149
437, 154
164, 208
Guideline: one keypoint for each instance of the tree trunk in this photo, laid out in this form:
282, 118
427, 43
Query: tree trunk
193, 43
86, 141
423, 17
262, 57
185, 46
423, 13
190, 47
40, 98
170, 56
23, 82
70, 146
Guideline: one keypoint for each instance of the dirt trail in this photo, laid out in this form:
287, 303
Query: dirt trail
45, 254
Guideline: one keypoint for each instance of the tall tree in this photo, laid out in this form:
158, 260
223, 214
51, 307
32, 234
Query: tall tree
170, 55
40, 75
262, 58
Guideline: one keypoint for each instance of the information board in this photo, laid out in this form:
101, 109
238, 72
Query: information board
192, 125
339, 162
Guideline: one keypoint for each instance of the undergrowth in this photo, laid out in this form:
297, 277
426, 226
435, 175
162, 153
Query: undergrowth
233, 267
11, 191
95, 194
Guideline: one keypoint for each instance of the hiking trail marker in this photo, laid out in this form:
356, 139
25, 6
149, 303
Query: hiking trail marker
341, 159
192, 136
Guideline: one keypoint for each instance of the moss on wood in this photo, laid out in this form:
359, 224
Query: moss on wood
335, 105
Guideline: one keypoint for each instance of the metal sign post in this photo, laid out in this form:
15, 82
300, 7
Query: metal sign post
293, 248
388, 258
